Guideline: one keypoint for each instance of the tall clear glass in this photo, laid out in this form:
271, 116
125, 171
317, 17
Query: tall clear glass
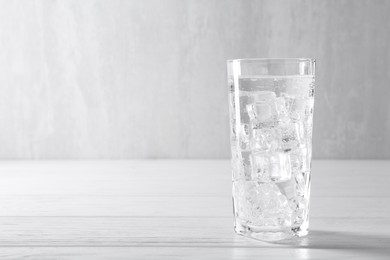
271, 117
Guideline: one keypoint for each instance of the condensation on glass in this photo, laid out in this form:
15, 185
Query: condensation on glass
271, 119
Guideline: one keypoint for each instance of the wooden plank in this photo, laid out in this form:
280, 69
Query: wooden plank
137, 177
183, 238
103, 205
168, 253
177, 178
180, 232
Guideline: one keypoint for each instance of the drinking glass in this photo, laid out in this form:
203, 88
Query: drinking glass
271, 118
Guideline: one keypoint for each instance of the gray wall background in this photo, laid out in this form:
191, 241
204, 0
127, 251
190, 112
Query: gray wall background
147, 79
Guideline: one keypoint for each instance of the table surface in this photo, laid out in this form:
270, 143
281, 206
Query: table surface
179, 209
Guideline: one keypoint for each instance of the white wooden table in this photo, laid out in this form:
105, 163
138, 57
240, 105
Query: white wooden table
173, 209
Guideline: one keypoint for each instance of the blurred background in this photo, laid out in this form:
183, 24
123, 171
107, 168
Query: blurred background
147, 79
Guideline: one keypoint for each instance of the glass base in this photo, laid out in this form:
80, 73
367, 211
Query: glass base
269, 233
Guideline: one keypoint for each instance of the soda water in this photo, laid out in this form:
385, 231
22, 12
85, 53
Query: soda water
271, 135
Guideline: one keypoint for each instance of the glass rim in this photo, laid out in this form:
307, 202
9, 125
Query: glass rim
275, 60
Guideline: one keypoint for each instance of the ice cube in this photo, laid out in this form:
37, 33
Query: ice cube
270, 167
263, 108
292, 135
234, 149
244, 101
296, 186
264, 96
261, 204
241, 165
281, 107
298, 217
245, 157
244, 137
264, 139
245, 164
302, 183
276, 211
246, 200
301, 108
237, 171
261, 111
288, 188
240, 202
298, 203
300, 162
